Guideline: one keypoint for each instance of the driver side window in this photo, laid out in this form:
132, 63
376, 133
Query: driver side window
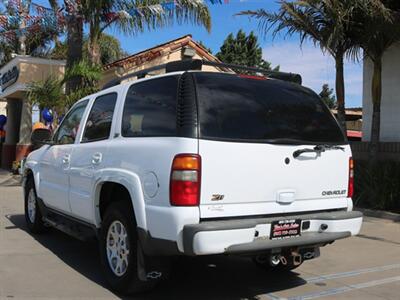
69, 127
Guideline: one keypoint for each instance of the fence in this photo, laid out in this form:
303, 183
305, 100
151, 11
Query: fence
386, 151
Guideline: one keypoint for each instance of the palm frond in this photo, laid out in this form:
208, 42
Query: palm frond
47, 93
324, 22
186, 11
89, 73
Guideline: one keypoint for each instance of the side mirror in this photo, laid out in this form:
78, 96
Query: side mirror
41, 136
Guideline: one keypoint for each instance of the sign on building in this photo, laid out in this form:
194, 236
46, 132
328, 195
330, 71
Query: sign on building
9, 78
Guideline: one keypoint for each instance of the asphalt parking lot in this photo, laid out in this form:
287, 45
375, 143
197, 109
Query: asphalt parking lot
55, 266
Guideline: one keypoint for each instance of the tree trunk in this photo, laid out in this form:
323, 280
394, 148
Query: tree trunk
340, 95
75, 44
94, 51
376, 92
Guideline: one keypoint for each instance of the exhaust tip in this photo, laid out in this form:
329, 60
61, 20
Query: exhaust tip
274, 260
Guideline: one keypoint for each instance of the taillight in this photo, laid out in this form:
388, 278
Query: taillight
350, 189
185, 180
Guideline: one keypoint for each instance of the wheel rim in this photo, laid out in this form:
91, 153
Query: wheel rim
31, 206
117, 248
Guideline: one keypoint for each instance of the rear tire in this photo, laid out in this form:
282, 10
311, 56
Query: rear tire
33, 215
119, 250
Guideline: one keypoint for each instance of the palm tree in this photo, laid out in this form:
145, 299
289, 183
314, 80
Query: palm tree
110, 49
94, 11
47, 94
74, 41
376, 29
87, 75
326, 23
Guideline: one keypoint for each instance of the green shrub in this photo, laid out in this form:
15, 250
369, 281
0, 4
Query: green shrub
377, 186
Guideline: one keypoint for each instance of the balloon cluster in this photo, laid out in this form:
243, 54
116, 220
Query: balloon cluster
47, 115
3, 121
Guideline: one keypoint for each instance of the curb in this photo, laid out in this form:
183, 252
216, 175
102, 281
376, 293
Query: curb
379, 214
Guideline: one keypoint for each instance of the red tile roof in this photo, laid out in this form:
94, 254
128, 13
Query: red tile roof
159, 50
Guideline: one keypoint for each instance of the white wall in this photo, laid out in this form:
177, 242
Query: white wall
3, 108
390, 107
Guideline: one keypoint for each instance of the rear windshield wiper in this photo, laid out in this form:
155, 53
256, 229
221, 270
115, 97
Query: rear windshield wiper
317, 149
286, 141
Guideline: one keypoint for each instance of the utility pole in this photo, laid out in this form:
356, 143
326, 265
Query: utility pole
24, 8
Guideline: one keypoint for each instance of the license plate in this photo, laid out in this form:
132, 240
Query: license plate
284, 229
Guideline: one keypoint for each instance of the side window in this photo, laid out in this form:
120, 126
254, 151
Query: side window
150, 108
69, 127
98, 124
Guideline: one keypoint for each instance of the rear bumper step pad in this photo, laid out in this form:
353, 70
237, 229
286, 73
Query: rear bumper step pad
311, 238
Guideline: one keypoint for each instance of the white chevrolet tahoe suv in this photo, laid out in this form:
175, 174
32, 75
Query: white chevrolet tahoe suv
195, 163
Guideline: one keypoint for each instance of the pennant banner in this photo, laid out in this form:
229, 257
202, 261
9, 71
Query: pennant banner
48, 20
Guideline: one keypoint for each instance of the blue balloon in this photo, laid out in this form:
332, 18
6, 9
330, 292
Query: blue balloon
3, 120
47, 115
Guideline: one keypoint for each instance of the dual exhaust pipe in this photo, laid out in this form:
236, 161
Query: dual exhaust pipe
288, 258
293, 258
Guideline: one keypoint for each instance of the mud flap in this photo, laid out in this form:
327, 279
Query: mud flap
152, 267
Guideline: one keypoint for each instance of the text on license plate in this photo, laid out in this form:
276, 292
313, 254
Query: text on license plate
285, 229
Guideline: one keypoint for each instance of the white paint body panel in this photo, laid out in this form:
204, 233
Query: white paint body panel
82, 173
54, 179
253, 178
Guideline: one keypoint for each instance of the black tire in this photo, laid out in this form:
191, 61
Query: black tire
280, 268
34, 222
129, 282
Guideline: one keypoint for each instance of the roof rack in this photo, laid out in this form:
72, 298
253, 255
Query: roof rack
196, 64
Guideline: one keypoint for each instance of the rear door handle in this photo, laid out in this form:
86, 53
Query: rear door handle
66, 159
96, 158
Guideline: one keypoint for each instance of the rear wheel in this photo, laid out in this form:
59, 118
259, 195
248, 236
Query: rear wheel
33, 216
120, 250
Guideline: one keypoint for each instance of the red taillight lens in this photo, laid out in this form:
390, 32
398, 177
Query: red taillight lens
185, 180
350, 189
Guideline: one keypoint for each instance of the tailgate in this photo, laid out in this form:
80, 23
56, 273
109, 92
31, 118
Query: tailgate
253, 179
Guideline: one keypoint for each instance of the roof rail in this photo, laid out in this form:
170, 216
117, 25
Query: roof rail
196, 64
292, 77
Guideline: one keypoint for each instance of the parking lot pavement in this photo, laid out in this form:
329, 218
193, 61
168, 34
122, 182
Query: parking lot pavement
57, 266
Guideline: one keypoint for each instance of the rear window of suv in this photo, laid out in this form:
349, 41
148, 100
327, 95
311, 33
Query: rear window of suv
235, 108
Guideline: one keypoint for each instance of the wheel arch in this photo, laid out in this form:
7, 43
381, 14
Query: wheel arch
131, 183
29, 173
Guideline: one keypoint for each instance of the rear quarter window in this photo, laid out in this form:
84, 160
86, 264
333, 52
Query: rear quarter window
150, 108
249, 110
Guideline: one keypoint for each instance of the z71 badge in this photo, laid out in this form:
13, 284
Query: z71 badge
217, 197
